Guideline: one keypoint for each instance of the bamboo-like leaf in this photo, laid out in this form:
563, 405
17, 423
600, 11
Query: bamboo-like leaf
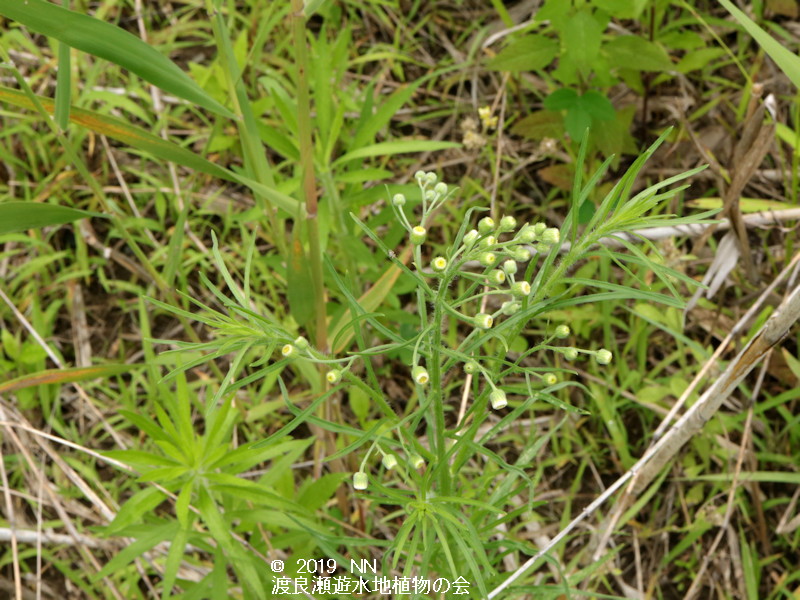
394, 147
19, 216
112, 43
63, 376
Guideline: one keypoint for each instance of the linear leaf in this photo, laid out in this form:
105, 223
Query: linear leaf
19, 216
107, 41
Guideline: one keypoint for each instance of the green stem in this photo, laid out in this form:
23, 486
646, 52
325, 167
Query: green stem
440, 441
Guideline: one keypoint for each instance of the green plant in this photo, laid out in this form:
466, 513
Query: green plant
485, 286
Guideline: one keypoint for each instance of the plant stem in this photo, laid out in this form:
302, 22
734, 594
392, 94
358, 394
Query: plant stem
442, 465
307, 166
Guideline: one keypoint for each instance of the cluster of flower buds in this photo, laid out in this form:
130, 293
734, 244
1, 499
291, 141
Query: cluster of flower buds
389, 462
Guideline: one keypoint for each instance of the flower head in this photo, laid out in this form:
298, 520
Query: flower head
521, 289
471, 367
562, 331
420, 375
399, 200
571, 353
507, 224
484, 321
550, 379
418, 235
486, 225
416, 461
333, 376
603, 356
485, 114
360, 480
289, 351
439, 263
488, 259
497, 277
389, 461
551, 236
498, 399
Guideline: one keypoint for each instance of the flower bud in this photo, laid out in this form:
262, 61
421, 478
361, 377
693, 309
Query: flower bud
430, 194
289, 351
521, 254
521, 289
484, 321
510, 308
470, 237
430, 178
510, 267
471, 367
498, 399
527, 234
488, 259
389, 461
420, 375
333, 376
603, 356
418, 235
399, 200
497, 277
301, 343
360, 480
419, 176
571, 353
507, 224
486, 225
488, 241
539, 228
562, 331
440, 188
439, 264
551, 236
416, 461
550, 379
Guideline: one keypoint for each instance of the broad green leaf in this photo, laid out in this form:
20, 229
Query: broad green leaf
561, 99
581, 39
597, 105
787, 62
112, 43
20, 216
634, 52
539, 125
530, 53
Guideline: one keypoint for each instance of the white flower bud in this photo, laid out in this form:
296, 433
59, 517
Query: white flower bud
571, 353
301, 343
562, 331
416, 461
551, 236
484, 321
510, 308
440, 188
498, 399
289, 351
521, 289
486, 225
510, 267
333, 376
418, 235
603, 356
507, 224
497, 277
488, 259
399, 200
389, 462
470, 237
360, 480
420, 375
550, 379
